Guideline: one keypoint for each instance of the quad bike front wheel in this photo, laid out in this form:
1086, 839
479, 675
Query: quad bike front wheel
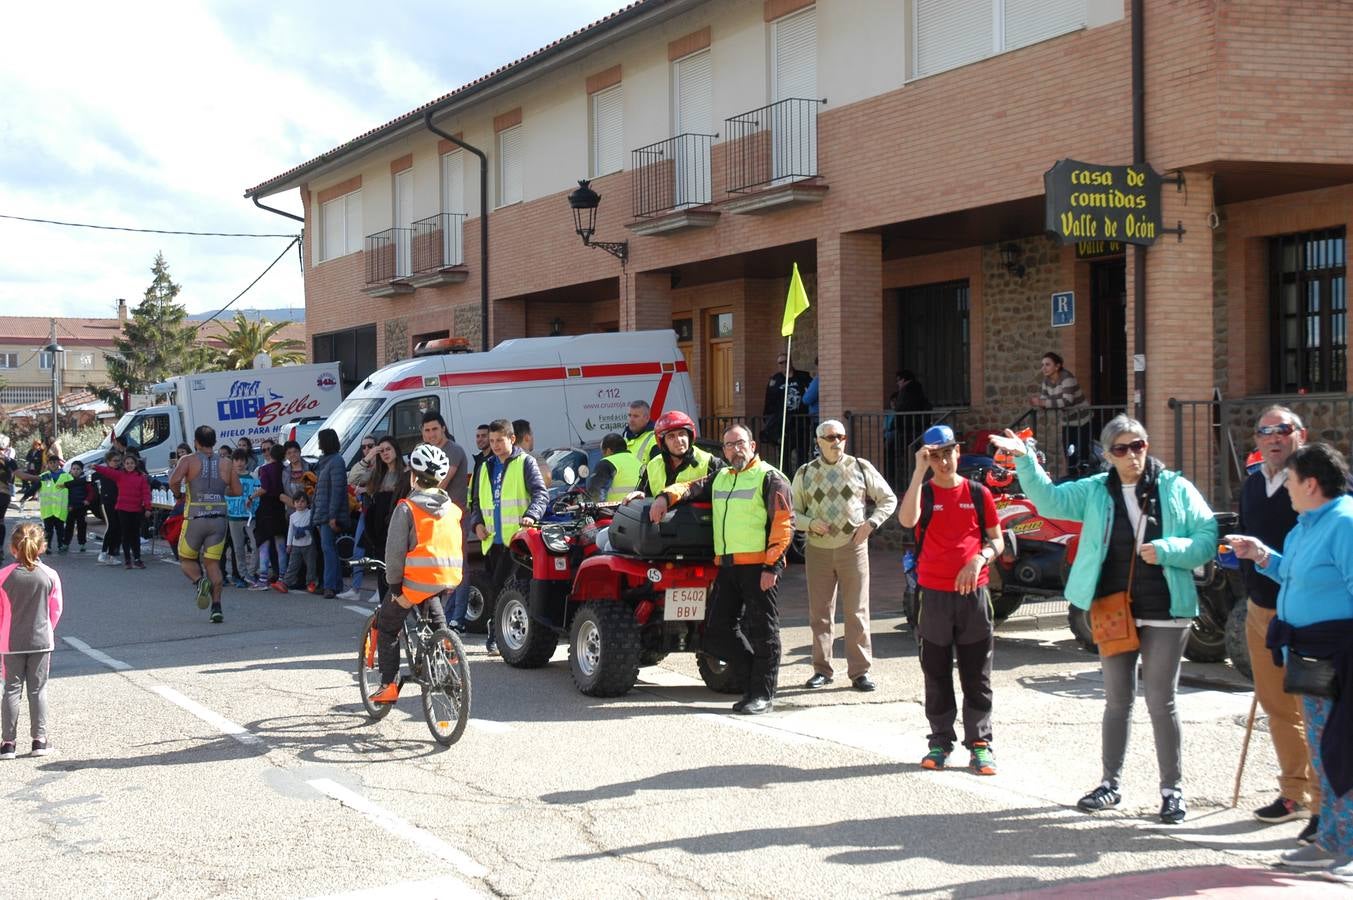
604, 649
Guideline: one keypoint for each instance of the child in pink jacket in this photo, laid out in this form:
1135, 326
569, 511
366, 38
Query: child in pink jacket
133, 502
30, 605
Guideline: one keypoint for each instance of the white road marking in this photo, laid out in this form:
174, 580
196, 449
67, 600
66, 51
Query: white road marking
425, 840
433, 888
97, 655
490, 726
360, 610
215, 720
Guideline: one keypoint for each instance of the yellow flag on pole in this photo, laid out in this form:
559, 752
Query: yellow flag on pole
795, 303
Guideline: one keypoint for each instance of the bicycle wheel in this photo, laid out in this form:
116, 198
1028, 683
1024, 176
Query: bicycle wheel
369, 670
446, 687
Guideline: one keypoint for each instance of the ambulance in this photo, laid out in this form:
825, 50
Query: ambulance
574, 390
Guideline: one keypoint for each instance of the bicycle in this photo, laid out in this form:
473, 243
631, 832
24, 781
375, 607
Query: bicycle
435, 660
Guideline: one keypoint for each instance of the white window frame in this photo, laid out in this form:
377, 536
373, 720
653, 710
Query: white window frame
9, 360
45, 360
607, 146
351, 206
84, 360
451, 166
999, 43
510, 165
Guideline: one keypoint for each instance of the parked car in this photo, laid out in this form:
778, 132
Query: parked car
300, 430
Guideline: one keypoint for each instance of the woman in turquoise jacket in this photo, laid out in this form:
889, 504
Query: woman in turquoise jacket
1137, 509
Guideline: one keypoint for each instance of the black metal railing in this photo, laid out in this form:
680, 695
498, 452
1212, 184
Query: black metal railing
772, 145
438, 242
1069, 438
1213, 438
890, 439
671, 175
387, 255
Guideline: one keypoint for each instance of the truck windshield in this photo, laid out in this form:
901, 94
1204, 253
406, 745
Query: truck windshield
118, 429
350, 420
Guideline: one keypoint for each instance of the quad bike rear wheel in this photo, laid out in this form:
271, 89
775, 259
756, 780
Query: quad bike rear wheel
719, 675
603, 650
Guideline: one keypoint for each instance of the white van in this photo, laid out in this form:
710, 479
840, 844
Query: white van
573, 390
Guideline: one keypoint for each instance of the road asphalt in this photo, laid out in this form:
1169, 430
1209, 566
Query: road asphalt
235, 760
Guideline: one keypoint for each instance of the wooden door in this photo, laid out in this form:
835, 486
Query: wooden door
719, 399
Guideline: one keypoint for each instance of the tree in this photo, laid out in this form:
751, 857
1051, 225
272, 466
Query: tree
157, 341
244, 340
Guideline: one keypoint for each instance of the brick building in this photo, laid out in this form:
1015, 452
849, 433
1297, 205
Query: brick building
911, 196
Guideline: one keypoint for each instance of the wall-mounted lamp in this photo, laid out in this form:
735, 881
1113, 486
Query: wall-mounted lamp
556, 326
1010, 255
584, 202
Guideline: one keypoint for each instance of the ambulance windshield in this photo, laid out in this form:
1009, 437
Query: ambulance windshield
350, 420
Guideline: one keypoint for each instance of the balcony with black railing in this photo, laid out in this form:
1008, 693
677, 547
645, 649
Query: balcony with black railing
438, 250
389, 262
772, 156
672, 184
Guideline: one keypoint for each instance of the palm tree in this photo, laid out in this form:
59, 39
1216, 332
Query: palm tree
244, 340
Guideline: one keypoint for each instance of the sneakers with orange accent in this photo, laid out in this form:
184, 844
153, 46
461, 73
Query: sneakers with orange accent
388, 693
981, 759
936, 758
279, 586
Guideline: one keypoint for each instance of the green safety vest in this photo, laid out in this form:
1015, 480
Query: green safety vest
740, 510
626, 476
513, 500
53, 496
641, 444
657, 471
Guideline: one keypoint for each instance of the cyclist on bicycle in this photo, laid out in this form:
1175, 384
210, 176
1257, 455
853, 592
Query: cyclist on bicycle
423, 558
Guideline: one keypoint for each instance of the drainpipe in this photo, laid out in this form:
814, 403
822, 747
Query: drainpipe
1138, 251
483, 226
300, 253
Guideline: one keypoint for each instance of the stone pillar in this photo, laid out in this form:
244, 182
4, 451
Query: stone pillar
645, 301
1179, 326
850, 322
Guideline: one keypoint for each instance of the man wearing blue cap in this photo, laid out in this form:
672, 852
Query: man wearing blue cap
958, 534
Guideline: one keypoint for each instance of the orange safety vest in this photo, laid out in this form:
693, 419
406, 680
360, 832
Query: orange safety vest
436, 562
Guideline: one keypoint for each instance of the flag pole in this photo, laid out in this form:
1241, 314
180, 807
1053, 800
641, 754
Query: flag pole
784, 404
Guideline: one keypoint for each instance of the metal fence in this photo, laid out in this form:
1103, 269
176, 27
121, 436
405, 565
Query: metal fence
387, 255
890, 439
773, 144
1212, 438
437, 242
1068, 438
672, 174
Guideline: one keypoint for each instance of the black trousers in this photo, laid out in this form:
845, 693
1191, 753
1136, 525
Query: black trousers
953, 624
129, 526
389, 620
4, 507
76, 525
743, 628
112, 530
498, 563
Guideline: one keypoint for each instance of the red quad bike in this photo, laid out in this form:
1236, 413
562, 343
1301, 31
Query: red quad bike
623, 608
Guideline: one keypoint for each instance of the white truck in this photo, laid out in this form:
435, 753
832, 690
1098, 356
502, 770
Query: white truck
573, 390
252, 403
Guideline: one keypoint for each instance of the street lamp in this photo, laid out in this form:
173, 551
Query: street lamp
585, 202
54, 348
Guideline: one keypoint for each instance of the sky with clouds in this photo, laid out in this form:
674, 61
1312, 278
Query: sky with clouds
160, 114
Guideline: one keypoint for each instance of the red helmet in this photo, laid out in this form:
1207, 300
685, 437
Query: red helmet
671, 421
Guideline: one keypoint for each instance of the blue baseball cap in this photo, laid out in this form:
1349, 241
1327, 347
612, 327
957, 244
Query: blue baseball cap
938, 436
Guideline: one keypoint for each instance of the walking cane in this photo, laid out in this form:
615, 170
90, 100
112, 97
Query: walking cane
1244, 751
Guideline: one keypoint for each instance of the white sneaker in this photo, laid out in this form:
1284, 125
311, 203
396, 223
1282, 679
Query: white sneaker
1312, 856
349, 594
1341, 871
103, 558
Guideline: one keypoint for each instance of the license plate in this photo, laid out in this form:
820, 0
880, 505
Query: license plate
685, 605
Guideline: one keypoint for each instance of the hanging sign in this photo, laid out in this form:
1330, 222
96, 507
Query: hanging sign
1088, 202
1063, 309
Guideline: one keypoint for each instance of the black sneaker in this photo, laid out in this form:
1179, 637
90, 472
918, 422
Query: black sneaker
1308, 833
216, 617
7, 750
40, 748
1281, 810
1172, 808
1101, 798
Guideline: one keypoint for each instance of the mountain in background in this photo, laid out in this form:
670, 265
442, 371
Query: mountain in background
282, 314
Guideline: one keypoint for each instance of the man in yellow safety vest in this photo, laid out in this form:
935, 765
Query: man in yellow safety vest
617, 474
679, 460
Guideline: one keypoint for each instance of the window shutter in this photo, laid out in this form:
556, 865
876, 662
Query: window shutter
796, 55
951, 33
333, 242
695, 94
1030, 21
608, 131
453, 182
509, 166
352, 221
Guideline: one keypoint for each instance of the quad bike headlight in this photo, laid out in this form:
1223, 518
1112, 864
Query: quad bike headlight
556, 541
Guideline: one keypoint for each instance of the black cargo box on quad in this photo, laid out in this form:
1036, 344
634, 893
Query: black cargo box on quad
686, 532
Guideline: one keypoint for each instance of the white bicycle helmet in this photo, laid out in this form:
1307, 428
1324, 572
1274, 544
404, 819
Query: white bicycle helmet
429, 460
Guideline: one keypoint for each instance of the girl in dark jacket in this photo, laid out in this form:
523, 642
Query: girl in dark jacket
330, 507
388, 485
270, 523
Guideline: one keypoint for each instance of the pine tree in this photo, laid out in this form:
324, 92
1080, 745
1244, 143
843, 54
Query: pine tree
157, 341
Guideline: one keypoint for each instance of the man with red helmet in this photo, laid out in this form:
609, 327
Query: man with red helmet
680, 460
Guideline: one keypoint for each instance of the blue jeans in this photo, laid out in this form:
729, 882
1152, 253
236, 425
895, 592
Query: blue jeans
358, 553
328, 540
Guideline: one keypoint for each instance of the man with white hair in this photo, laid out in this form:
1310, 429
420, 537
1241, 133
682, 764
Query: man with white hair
832, 498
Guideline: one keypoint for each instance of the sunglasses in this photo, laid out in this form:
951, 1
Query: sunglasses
1121, 450
1284, 429
834, 438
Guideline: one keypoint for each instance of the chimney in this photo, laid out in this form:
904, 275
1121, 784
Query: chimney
121, 311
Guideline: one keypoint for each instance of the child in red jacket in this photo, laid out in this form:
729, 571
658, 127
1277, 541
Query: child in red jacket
133, 502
